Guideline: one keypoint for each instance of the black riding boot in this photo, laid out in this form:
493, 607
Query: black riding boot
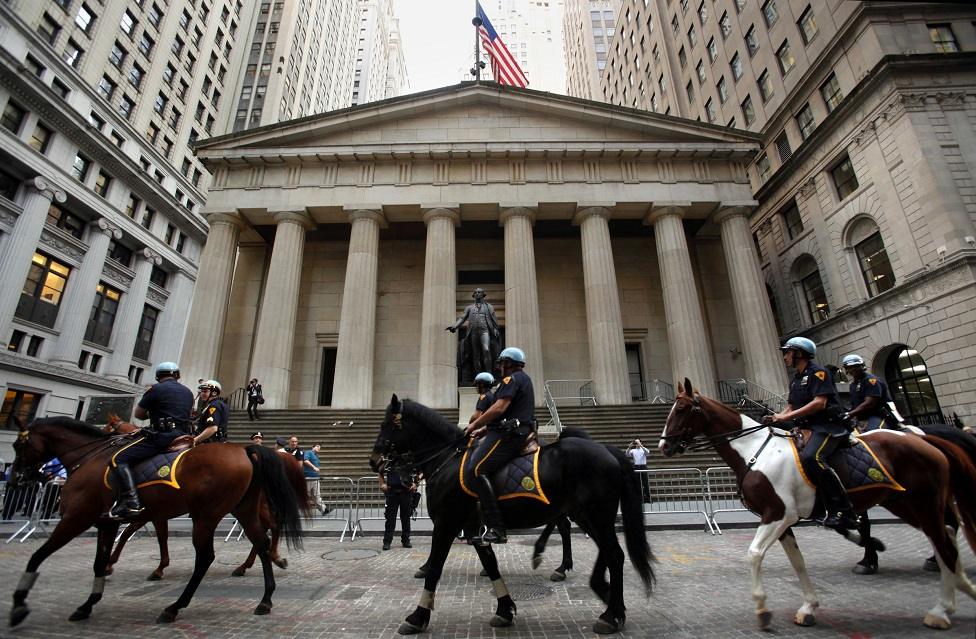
127, 505
494, 526
840, 512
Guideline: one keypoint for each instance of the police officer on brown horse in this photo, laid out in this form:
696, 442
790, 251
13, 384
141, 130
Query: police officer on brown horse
502, 427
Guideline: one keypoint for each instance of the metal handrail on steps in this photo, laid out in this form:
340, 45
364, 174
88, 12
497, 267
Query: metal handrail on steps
553, 411
743, 392
237, 400
652, 391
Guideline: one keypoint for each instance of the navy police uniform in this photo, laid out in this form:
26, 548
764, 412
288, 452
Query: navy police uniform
485, 400
504, 440
213, 414
871, 386
815, 381
398, 498
169, 404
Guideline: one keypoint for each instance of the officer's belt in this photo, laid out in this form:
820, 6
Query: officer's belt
167, 424
512, 425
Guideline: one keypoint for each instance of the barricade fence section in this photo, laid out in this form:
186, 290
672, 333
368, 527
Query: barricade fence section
370, 503
675, 491
722, 493
19, 505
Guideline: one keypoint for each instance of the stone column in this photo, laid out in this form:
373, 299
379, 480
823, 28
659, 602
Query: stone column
275, 337
757, 331
437, 383
608, 355
353, 387
687, 337
522, 291
171, 326
80, 294
208, 309
129, 316
19, 248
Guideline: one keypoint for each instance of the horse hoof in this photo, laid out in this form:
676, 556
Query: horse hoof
109, 570
154, 576
281, 563
18, 614
166, 617
238, 572
536, 561
483, 573
805, 619
936, 622
557, 575
603, 627
497, 621
420, 574
407, 628
930, 565
262, 609
865, 569
79, 615
765, 618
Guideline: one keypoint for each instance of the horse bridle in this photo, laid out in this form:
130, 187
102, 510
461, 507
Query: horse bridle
24, 436
397, 460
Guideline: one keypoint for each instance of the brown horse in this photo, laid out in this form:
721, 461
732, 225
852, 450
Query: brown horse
118, 426
932, 472
209, 483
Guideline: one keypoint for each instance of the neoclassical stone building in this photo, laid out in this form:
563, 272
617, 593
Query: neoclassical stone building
614, 243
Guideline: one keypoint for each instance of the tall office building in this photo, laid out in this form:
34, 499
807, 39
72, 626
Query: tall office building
381, 70
100, 193
588, 29
300, 61
532, 30
864, 212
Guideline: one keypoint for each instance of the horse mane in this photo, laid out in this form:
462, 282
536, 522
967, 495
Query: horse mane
579, 433
74, 425
431, 419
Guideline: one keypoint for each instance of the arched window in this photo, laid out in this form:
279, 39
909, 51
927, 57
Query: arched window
872, 258
807, 276
911, 387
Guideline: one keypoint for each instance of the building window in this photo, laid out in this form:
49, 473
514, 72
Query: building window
830, 91
736, 65
147, 327
155, 15
33, 65
106, 87
682, 57
147, 217
723, 90
125, 106
13, 117
146, 44
770, 13
792, 220
783, 148
170, 232
69, 222
16, 339
128, 24
43, 288
96, 121
943, 38
18, 403
132, 206
158, 276
181, 240
763, 167
845, 180
700, 70
725, 23
40, 138
120, 253
85, 18
8, 185
712, 50
874, 263
702, 13
805, 121
60, 88
103, 313
911, 387
135, 75
152, 133
710, 111
49, 28
785, 57
748, 112
72, 53
814, 296
690, 90
765, 86
102, 182
807, 25
692, 36
79, 168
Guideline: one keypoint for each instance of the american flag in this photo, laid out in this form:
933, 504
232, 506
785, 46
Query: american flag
503, 65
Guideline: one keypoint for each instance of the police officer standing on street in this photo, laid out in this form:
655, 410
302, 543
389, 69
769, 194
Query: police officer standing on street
869, 396
167, 405
813, 405
503, 428
212, 420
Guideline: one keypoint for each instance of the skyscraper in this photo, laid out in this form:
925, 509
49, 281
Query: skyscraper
532, 31
588, 29
381, 70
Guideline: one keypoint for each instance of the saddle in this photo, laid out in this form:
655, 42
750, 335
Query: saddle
156, 470
855, 463
518, 478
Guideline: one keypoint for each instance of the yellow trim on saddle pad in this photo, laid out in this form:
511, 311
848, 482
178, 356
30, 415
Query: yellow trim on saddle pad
799, 464
894, 484
167, 475
536, 485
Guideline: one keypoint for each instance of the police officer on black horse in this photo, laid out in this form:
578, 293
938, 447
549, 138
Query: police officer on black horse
813, 405
869, 396
212, 421
167, 405
504, 426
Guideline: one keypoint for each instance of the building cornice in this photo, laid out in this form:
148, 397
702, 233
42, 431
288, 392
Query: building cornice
74, 376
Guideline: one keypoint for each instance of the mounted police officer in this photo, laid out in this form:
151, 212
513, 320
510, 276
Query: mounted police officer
869, 396
212, 420
505, 425
167, 405
813, 405
483, 382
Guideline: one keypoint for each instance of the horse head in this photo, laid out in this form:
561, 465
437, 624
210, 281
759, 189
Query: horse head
117, 426
685, 421
29, 453
391, 440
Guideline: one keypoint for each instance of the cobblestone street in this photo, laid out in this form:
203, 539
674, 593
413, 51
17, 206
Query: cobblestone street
353, 589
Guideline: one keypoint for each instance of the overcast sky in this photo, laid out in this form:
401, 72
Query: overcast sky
438, 40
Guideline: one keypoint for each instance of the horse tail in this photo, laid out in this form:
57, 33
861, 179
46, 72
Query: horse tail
632, 510
285, 498
962, 478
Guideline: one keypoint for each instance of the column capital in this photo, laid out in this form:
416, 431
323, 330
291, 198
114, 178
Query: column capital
150, 256
508, 211
297, 215
109, 229
231, 218
590, 209
664, 209
450, 211
47, 188
729, 210
366, 213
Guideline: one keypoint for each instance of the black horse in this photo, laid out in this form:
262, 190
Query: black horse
582, 479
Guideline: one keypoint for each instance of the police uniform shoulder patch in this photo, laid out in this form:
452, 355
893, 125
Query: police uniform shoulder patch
507, 380
482, 396
213, 410
821, 375
873, 382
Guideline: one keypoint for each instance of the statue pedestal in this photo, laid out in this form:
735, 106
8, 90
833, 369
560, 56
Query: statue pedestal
467, 400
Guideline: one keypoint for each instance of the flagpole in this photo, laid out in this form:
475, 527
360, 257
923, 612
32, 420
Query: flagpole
476, 21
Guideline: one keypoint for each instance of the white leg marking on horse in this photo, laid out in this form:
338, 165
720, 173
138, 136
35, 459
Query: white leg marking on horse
810, 602
766, 535
98, 585
501, 590
27, 580
427, 600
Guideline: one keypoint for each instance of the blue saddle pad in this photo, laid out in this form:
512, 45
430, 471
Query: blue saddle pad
158, 469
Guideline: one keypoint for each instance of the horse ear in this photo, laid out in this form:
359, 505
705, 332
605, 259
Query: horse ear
395, 402
688, 390
18, 420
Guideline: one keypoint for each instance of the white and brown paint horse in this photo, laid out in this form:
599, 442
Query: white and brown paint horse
933, 473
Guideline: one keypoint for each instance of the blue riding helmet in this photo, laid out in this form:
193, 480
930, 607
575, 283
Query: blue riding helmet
513, 354
167, 368
484, 378
853, 360
800, 344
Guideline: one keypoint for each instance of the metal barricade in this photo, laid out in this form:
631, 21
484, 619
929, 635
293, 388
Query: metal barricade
370, 503
722, 490
19, 504
43, 509
676, 491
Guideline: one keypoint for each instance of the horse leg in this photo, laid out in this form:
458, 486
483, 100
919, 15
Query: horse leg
278, 560
203, 532
257, 533
67, 529
612, 556
869, 563
931, 564
440, 547
805, 615
251, 556
766, 536
162, 538
540, 545
559, 574
506, 609
130, 530
106, 535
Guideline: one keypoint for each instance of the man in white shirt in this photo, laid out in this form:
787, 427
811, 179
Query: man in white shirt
638, 454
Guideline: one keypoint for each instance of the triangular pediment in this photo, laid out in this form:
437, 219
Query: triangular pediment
470, 116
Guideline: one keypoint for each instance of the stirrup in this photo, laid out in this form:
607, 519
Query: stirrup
841, 521
122, 512
494, 536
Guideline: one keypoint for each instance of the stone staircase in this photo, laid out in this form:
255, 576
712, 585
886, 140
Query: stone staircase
347, 436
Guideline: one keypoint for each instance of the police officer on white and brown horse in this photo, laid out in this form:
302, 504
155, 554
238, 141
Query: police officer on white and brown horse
869, 396
813, 405
502, 427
